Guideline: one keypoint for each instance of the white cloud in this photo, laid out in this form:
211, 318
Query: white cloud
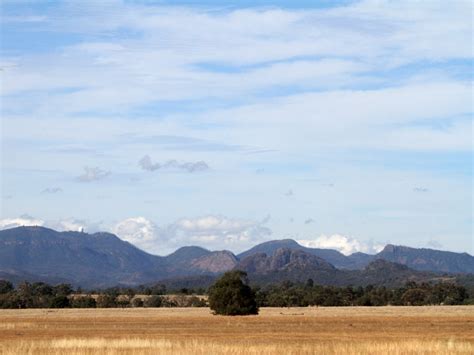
191, 167
344, 244
213, 232
93, 174
69, 224
166, 60
62, 225
24, 220
218, 232
316, 86
139, 231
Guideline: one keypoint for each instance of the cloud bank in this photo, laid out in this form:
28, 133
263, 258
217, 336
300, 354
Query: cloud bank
213, 232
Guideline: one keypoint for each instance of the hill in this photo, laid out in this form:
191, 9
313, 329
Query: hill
97, 260
428, 259
299, 266
102, 260
332, 256
421, 259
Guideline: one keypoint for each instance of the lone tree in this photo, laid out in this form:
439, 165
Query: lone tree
231, 296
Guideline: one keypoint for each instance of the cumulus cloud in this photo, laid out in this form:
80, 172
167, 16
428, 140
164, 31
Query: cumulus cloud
139, 231
62, 224
24, 220
212, 231
69, 224
218, 231
52, 190
191, 167
344, 244
93, 174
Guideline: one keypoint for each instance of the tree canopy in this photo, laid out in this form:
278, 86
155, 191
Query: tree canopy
231, 295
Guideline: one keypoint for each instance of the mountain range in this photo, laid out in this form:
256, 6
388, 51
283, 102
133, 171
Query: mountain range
103, 259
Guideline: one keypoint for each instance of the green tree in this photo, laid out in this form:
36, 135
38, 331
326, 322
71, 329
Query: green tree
137, 302
153, 301
62, 290
5, 286
60, 302
414, 297
106, 301
230, 295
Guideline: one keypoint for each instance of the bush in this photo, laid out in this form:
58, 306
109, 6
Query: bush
230, 295
196, 302
168, 302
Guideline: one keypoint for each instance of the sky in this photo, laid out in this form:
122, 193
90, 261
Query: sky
340, 124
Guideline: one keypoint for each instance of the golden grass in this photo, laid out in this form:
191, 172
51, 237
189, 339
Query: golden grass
361, 330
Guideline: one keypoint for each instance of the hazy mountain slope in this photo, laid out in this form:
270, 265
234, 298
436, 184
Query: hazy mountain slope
299, 266
196, 260
360, 260
185, 254
332, 256
428, 259
102, 259
98, 260
89, 259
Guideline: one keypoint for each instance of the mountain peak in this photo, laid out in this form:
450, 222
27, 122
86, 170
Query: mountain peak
188, 252
270, 247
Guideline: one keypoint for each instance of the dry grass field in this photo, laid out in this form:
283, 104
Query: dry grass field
358, 330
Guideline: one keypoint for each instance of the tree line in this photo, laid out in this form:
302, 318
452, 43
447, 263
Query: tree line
43, 295
285, 294
288, 294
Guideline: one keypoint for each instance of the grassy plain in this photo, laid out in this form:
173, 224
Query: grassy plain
355, 330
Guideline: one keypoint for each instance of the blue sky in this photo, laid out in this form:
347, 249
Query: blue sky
224, 124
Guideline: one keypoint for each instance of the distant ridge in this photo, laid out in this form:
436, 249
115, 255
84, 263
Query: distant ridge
103, 259
428, 259
332, 256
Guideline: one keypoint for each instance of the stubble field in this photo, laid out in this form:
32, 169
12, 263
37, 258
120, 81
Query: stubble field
355, 330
